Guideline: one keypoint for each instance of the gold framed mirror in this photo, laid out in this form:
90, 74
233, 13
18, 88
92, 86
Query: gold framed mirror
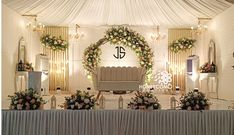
22, 50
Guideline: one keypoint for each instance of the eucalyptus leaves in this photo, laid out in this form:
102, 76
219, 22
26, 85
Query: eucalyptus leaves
54, 43
182, 44
120, 35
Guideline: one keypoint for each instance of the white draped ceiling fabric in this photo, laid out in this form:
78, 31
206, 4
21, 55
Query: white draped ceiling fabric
168, 13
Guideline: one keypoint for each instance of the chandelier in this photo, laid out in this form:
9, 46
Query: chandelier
158, 35
201, 26
76, 34
36, 26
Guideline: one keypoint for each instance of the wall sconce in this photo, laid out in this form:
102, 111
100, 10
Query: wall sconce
158, 35
76, 34
36, 26
201, 26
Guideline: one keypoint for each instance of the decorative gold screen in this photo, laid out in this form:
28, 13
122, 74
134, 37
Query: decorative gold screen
177, 60
59, 70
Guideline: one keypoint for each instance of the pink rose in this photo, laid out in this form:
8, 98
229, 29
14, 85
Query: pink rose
27, 107
32, 101
28, 97
19, 106
20, 101
197, 106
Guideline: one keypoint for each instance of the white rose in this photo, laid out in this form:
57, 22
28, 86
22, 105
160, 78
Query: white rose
139, 100
146, 99
87, 106
80, 106
189, 108
34, 106
86, 101
187, 103
151, 100
150, 108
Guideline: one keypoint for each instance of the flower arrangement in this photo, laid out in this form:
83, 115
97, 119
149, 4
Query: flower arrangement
208, 68
54, 43
26, 100
182, 44
144, 100
80, 100
119, 35
28, 66
194, 100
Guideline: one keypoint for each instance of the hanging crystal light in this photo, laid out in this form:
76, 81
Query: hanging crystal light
158, 35
201, 26
35, 26
76, 34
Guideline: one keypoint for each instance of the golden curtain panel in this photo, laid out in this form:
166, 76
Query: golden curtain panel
59, 66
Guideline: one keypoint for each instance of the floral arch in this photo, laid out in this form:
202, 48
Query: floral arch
120, 35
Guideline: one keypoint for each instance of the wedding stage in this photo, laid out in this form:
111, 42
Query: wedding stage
117, 122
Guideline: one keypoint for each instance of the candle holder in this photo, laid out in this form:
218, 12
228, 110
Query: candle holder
177, 88
173, 103
102, 102
53, 102
120, 102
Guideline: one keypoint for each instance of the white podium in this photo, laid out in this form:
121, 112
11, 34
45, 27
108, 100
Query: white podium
27, 79
209, 84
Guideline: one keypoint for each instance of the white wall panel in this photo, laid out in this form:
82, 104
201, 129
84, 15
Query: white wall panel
13, 28
222, 29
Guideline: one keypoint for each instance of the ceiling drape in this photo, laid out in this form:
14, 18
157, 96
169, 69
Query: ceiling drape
169, 13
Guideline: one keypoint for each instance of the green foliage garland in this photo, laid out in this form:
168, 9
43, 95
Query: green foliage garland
182, 44
120, 35
54, 43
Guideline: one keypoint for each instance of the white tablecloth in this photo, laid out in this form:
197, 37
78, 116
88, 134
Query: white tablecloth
117, 122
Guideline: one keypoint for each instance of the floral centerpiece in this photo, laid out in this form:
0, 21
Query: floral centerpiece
194, 100
54, 43
208, 68
144, 100
26, 100
182, 44
80, 100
